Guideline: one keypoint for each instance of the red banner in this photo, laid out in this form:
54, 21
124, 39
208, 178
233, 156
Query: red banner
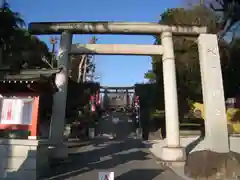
92, 102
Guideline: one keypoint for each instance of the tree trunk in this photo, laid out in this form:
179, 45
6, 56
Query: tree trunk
85, 70
80, 67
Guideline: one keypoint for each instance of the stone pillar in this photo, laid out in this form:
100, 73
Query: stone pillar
213, 94
59, 101
173, 151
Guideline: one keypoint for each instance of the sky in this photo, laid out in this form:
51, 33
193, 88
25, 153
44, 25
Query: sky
112, 70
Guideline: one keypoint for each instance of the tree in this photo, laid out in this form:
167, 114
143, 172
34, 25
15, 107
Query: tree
83, 66
150, 75
28, 52
230, 12
20, 48
89, 65
10, 22
232, 68
186, 53
226, 10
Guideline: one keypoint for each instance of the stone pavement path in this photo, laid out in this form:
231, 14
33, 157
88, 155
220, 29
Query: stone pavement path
127, 157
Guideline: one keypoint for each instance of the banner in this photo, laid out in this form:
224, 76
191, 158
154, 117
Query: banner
92, 103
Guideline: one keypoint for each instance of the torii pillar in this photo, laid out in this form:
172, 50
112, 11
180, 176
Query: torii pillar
172, 151
59, 100
216, 132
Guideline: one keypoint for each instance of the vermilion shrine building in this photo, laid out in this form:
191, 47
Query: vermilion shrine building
21, 94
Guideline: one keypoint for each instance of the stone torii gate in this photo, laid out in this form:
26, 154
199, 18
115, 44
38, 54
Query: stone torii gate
213, 95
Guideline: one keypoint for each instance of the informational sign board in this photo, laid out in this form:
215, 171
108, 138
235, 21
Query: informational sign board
106, 176
16, 111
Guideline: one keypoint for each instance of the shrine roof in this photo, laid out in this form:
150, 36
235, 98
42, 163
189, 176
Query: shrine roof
27, 75
28, 80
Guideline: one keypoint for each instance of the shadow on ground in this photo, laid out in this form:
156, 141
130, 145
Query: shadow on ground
106, 155
122, 129
78, 143
127, 157
146, 174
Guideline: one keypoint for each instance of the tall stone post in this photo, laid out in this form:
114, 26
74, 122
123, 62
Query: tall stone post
213, 94
59, 101
173, 151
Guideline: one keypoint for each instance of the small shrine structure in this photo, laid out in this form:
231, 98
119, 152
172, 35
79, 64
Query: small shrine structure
25, 156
